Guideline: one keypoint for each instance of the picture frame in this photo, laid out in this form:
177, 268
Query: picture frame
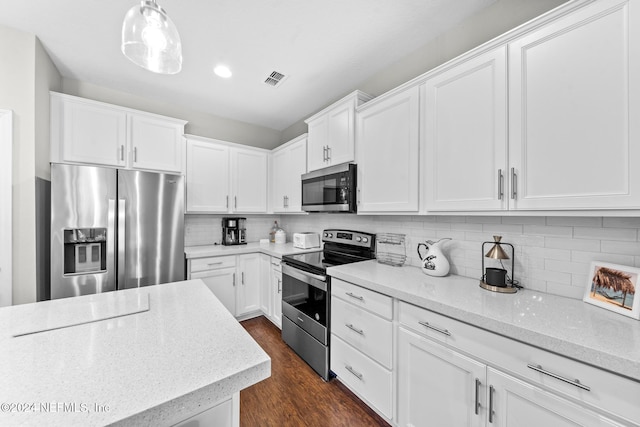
614, 287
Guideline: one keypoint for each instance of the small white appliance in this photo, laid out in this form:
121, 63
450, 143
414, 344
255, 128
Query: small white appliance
306, 240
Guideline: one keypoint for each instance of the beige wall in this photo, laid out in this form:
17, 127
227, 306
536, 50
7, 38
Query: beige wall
497, 19
200, 124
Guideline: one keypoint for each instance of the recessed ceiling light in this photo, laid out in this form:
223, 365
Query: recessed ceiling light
222, 71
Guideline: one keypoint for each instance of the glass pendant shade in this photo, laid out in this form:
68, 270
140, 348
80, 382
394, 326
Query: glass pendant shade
151, 40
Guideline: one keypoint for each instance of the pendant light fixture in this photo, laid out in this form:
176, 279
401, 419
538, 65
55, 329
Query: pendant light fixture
150, 39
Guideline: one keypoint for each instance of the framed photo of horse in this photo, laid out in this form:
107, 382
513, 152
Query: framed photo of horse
614, 287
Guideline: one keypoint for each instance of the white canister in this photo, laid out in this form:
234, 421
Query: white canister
281, 236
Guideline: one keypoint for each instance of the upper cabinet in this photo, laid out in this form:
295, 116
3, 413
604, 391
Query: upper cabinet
225, 178
557, 135
574, 100
387, 147
331, 139
90, 132
289, 162
464, 109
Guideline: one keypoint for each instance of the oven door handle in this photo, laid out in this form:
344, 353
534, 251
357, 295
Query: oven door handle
314, 280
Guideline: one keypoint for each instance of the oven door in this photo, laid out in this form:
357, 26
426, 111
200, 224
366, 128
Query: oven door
330, 190
305, 301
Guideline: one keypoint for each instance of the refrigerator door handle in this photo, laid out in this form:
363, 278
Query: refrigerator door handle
111, 241
122, 224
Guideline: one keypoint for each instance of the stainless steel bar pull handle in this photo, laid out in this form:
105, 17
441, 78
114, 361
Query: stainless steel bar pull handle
354, 329
214, 263
358, 297
356, 374
242, 278
324, 153
227, 201
234, 279
235, 202
477, 403
491, 389
135, 154
500, 185
279, 285
575, 383
514, 183
122, 152
328, 153
434, 328
122, 249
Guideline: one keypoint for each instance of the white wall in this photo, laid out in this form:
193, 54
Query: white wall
17, 94
200, 124
552, 254
24, 90
496, 19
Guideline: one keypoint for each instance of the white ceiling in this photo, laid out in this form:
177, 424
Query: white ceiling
327, 48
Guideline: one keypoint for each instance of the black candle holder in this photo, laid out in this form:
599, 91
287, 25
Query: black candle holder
497, 279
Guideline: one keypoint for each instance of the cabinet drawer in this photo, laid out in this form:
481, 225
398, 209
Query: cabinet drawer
608, 392
379, 304
365, 331
368, 379
212, 263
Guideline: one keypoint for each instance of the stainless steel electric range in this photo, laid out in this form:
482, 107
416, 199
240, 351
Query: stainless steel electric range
306, 293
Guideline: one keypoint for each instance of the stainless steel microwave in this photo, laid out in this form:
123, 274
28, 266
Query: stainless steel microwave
331, 189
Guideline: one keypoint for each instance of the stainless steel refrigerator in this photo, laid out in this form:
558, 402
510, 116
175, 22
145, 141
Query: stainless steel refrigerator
114, 229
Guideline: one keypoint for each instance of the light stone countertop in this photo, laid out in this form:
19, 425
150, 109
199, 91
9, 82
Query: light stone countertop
565, 326
158, 365
272, 249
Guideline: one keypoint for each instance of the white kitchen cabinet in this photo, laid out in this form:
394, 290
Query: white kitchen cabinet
512, 377
222, 414
249, 284
84, 131
222, 282
266, 295
362, 343
156, 144
387, 147
331, 139
436, 385
249, 183
276, 292
235, 279
464, 109
207, 177
574, 96
289, 162
90, 132
512, 402
224, 178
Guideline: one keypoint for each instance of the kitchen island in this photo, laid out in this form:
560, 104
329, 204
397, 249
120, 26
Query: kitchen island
154, 356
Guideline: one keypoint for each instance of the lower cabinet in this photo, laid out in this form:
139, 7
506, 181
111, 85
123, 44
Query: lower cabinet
453, 374
271, 293
249, 284
362, 344
436, 385
235, 280
223, 414
222, 283
513, 402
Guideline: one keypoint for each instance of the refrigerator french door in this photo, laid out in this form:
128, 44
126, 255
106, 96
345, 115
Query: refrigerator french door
114, 229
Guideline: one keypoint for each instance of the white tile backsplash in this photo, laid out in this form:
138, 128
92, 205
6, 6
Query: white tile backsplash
552, 253
207, 229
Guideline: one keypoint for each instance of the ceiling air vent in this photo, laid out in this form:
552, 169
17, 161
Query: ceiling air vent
275, 79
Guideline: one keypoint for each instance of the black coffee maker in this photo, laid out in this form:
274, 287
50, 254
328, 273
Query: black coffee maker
234, 231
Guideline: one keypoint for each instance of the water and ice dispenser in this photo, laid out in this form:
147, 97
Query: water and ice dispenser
85, 250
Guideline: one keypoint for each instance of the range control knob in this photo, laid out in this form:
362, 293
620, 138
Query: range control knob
330, 235
365, 240
326, 234
358, 239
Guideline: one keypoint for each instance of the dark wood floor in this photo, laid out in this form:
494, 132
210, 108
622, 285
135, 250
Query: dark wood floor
295, 395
